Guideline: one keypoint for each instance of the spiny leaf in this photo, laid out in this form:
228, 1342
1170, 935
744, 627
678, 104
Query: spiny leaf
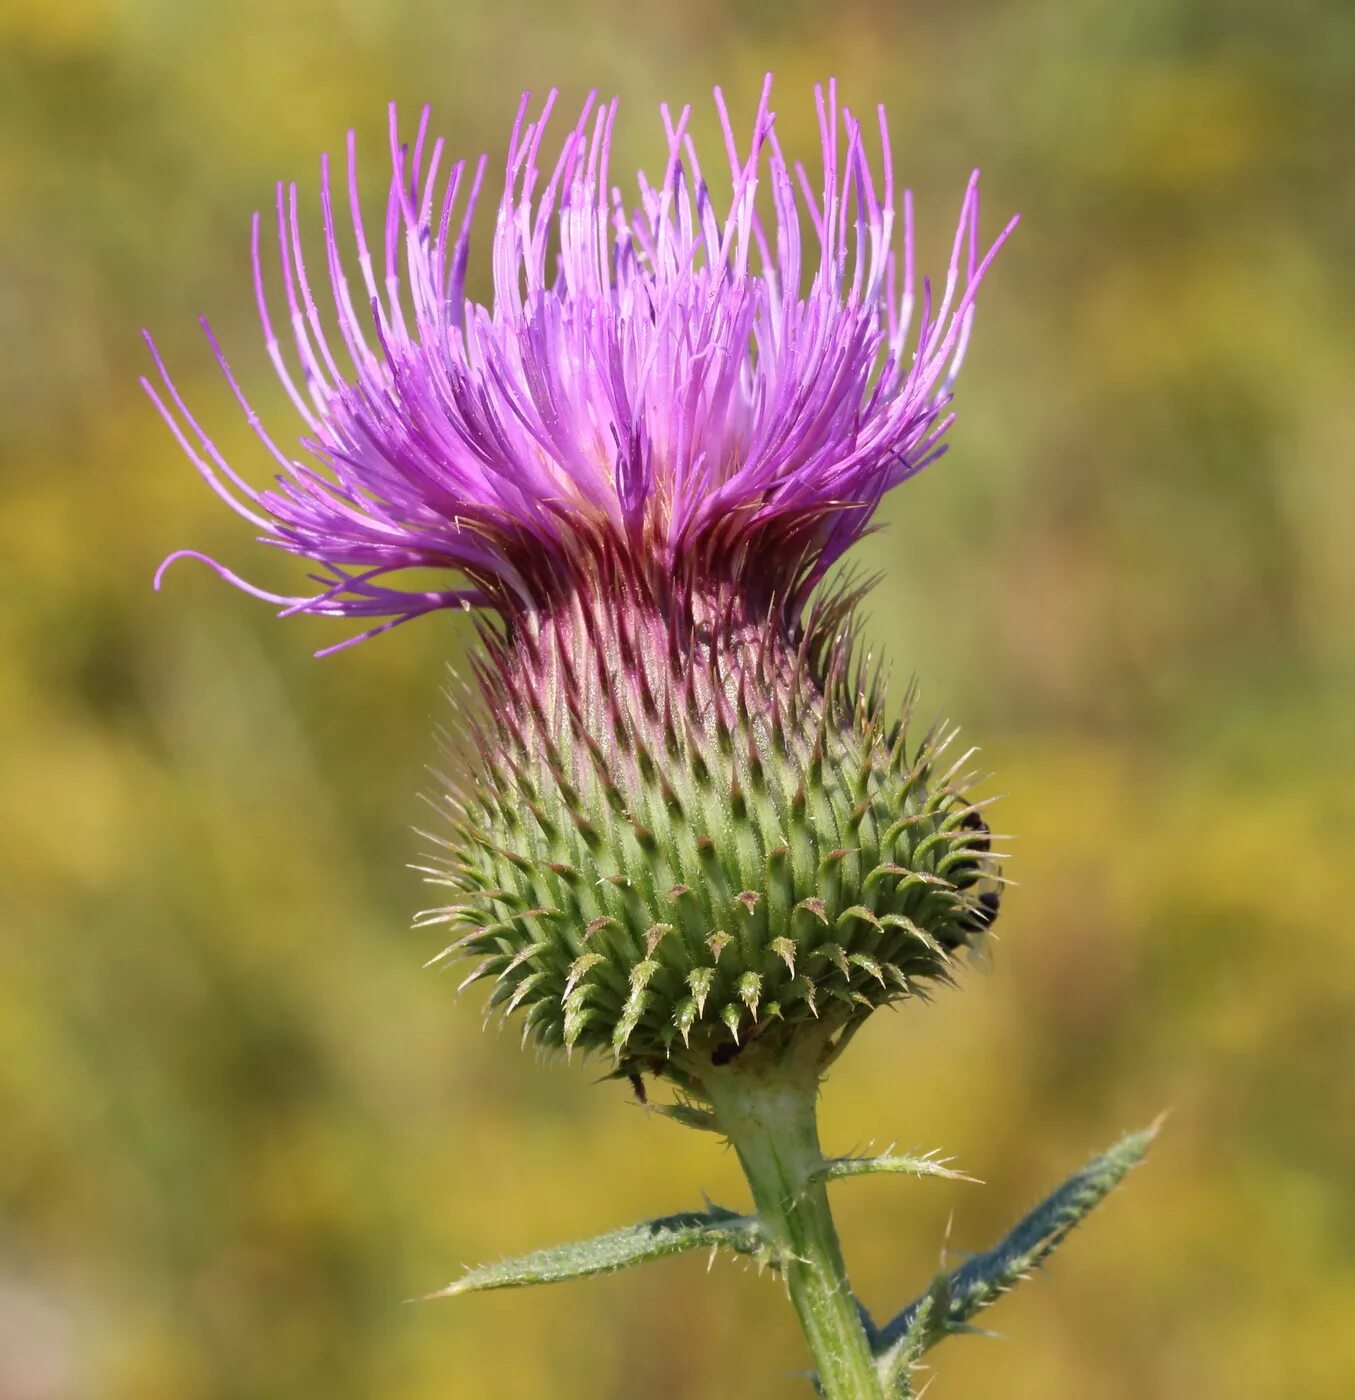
927, 1164
688, 1115
620, 1249
927, 1327
983, 1279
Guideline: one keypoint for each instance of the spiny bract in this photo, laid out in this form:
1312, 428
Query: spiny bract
693, 825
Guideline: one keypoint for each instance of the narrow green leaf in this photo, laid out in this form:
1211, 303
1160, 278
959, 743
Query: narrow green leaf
956, 1297
620, 1249
837, 1168
927, 1327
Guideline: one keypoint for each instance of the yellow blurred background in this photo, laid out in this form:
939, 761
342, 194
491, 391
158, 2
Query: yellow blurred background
239, 1126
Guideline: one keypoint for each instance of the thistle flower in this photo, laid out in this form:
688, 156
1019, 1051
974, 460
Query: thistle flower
687, 835
692, 821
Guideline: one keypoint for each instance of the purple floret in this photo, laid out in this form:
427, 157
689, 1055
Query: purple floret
671, 384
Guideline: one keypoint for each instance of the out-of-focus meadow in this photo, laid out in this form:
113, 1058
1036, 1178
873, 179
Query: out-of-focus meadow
239, 1126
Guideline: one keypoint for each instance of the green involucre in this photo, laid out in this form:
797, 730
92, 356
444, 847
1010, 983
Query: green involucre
694, 833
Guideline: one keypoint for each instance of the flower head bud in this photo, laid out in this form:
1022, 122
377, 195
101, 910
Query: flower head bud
687, 821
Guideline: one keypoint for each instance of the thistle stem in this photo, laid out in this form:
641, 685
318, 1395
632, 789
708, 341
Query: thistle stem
768, 1113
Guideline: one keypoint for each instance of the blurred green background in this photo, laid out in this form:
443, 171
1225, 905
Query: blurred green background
238, 1126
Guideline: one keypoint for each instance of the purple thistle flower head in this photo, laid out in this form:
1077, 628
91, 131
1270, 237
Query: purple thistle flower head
687, 822
679, 381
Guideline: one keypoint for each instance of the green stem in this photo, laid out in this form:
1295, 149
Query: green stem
768, 1113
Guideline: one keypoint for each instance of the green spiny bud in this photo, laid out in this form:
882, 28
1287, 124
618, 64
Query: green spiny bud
690, 825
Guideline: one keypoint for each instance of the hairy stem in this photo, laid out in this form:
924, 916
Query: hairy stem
768, 1113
